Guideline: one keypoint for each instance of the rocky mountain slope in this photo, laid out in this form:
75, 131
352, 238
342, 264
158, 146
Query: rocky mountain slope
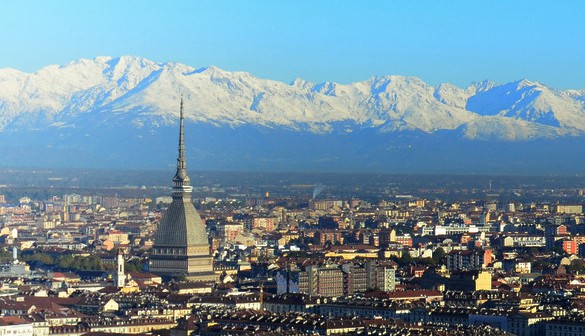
122, 112
144, 93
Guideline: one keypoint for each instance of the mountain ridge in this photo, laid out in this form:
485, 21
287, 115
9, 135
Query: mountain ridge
122, 112
112, 86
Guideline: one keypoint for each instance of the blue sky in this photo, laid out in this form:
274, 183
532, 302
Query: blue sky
438, 41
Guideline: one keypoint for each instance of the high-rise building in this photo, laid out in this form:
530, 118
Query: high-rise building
181, 246
336, 279
465, 260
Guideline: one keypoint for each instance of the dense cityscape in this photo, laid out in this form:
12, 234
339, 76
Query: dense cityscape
287, 258
514, 266
284, 168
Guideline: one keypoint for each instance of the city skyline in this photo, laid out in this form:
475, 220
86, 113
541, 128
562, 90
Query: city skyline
350, 168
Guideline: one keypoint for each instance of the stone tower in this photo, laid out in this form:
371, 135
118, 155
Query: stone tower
120, 276
181, 246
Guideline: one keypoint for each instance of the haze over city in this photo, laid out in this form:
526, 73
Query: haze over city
292, 168
381, 87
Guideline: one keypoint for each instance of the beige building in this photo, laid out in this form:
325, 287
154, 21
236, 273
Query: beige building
570, 209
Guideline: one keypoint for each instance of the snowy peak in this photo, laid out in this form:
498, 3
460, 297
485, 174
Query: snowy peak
492, 99
144, 93
528, 101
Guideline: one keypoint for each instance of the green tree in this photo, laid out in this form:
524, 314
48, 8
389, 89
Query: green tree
38, 258
405, 259
576, 267
439, 256
5, 256
65, 261
426, 261
134, 266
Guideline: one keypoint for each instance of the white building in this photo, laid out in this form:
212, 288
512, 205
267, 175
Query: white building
15, 326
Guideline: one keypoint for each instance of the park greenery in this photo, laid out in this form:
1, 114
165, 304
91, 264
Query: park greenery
71, 262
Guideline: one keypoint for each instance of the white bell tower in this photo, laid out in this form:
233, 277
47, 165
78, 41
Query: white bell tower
120, 277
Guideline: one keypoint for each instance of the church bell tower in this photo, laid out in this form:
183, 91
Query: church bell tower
120, 276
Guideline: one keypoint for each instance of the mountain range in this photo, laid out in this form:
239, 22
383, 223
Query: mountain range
122, 112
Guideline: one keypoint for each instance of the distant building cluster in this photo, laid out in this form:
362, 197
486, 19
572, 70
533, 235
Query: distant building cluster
222, 261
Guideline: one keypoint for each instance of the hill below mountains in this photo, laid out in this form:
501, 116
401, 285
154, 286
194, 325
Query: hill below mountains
122, 112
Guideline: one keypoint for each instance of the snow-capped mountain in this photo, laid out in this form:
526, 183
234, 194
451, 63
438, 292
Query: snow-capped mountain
146, 93
99, 111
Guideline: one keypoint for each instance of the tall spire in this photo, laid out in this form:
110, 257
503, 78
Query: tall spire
181, 245
181, 179
181, 164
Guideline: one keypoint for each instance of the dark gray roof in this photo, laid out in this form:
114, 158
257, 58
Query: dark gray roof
181, 225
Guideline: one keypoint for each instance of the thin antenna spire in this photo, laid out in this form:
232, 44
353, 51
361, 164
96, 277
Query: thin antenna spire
181, 164
181, 180
181, 106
